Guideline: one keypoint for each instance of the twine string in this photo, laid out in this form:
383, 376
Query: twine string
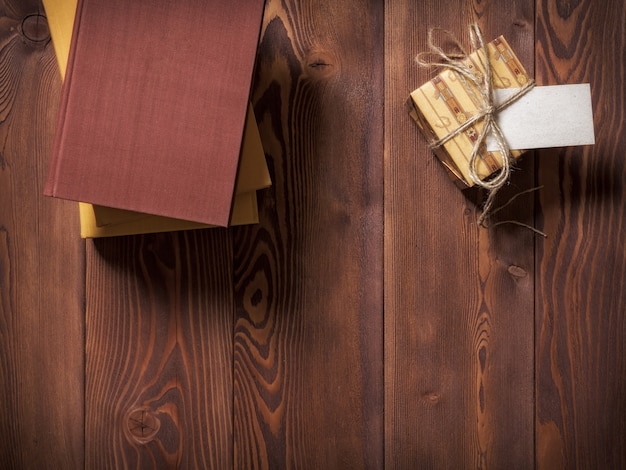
516, 222
487, 112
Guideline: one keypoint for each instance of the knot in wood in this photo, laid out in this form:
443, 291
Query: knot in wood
35, 28
517, 271
320, 64
142, 425
431, 399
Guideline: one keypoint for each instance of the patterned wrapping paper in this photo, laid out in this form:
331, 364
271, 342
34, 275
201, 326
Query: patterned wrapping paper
444, 103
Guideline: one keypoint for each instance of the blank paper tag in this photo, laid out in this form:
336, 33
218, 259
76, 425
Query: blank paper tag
546, 116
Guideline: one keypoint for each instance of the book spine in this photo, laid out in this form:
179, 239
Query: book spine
56, 156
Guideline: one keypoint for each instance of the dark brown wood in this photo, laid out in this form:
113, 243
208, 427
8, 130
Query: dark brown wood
41, 261
458, 299
159, 334
581, 331
308, 337
275, 345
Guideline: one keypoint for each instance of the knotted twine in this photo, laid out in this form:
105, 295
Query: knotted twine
483, 84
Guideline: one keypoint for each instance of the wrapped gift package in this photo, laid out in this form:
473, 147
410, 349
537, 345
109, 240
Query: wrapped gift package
448, 100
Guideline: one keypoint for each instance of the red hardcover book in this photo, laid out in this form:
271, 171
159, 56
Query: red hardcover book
154, 105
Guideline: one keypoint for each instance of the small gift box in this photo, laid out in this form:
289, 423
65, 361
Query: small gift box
449, 109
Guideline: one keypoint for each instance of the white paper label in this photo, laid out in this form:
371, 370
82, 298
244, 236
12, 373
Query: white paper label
546, 116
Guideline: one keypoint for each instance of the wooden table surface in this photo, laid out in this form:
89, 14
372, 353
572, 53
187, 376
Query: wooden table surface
367, 321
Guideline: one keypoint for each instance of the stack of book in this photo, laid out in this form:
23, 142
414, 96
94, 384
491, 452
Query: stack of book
155, 129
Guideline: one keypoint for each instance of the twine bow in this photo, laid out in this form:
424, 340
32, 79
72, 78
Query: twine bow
481, 88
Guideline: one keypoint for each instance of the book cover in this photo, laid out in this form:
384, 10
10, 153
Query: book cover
154, 105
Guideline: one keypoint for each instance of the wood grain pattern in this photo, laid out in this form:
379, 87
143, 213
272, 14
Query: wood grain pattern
308, 335
159, 328
581, 331
41, 261
339, 332
458, 308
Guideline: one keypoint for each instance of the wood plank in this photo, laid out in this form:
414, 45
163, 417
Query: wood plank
159, 348
581, 332
302, 383
41, 260
458, 299
308, 334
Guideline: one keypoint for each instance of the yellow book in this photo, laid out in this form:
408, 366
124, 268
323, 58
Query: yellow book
99, 221
145, 223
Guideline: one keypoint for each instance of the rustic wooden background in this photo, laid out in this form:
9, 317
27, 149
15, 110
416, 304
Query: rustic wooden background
366, 321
